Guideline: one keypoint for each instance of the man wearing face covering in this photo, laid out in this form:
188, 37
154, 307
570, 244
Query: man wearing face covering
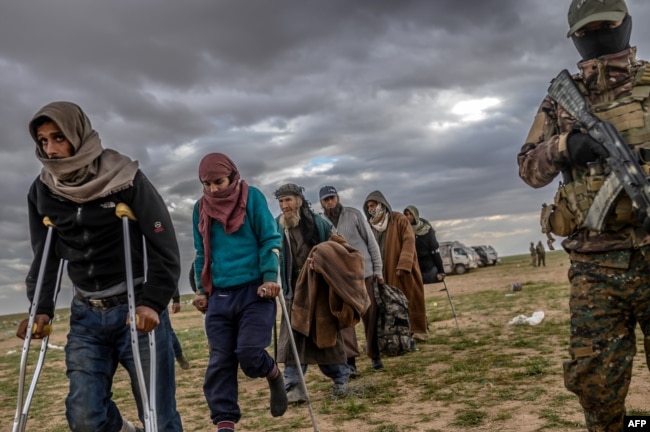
396, 241
78, 189
610, 270
236, 272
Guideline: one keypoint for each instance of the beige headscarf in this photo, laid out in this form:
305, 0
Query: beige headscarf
91, 172
420, 227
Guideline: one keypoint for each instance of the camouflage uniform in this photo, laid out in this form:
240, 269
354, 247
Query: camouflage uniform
610, 271
533, 254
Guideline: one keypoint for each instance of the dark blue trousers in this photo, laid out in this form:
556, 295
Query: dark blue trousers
239, 325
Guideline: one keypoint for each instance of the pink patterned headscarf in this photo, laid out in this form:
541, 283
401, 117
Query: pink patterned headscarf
226, 206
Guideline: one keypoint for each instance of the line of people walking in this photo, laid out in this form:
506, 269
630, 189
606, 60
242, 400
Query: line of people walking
325, 266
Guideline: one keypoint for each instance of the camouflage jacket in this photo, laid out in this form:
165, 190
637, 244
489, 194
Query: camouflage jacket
609, 83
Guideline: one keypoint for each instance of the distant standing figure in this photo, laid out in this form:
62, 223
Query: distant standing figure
541, 254
533, 254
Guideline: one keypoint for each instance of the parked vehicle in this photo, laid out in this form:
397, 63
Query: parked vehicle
491, 256
482, 255
473, 254
457, 258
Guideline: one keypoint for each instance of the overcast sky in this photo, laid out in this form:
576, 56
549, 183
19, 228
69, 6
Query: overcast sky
428, 101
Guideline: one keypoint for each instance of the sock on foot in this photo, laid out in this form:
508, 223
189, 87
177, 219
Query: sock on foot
225, 426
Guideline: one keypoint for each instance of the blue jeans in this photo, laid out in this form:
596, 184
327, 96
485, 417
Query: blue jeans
99, 340
239, 324
339, 373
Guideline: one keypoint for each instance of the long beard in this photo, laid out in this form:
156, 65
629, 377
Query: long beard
333, 213
290, 221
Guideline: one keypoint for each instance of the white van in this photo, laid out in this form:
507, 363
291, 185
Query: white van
457, 258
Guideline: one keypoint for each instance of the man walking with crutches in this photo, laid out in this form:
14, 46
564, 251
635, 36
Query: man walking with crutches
78, 189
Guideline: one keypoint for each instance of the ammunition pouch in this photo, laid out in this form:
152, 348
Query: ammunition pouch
571, 205
557, 218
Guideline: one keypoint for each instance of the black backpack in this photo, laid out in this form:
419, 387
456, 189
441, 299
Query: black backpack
393, 327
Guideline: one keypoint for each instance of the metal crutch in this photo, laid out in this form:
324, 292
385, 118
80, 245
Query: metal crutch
294, 349
451, 303
148, 401
23, 405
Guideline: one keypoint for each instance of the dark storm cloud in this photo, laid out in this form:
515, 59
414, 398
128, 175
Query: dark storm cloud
357, 94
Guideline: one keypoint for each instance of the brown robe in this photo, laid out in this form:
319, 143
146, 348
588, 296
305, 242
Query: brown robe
398, 253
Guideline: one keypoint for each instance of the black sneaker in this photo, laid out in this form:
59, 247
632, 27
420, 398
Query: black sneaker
182, 362
377, 364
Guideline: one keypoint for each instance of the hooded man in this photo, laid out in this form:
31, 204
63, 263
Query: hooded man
396, 241
610, 268
427, 247
78, 189
301, 230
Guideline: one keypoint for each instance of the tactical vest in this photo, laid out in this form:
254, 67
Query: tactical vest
631, 117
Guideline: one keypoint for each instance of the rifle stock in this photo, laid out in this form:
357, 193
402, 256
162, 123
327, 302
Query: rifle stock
622, 161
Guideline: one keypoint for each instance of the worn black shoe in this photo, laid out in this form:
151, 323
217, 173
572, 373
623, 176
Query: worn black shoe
279, 400
340, 390
182, 362
377, 364
354, 372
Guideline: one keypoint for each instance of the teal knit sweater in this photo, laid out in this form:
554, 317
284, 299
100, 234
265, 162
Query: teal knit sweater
245, 255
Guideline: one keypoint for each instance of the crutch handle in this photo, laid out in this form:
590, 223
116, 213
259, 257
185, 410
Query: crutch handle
122, 210
47, 222
47, 329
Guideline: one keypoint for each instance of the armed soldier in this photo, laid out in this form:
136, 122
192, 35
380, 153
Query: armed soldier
610, 282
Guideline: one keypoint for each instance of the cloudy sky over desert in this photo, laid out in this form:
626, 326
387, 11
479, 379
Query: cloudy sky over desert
427, 101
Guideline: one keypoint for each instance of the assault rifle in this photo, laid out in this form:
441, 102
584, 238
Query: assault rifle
625, 173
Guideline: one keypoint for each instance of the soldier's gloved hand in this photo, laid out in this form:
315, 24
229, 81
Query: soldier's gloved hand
583, 148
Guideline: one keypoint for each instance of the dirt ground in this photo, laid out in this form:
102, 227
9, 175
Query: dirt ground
408, 411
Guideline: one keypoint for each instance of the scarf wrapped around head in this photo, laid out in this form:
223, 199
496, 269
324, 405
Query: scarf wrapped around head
226, 206
91, 172
420, 227
379, 218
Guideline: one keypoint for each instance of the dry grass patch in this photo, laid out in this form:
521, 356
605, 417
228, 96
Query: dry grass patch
489, 377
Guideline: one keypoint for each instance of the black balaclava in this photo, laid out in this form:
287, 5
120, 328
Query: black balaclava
604, 41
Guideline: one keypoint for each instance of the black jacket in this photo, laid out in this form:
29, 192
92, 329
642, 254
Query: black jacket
90, 237
427, 247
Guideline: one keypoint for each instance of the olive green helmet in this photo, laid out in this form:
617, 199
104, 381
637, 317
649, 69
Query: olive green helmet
582, 12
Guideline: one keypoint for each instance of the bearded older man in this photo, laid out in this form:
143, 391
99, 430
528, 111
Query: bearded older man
301, 230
